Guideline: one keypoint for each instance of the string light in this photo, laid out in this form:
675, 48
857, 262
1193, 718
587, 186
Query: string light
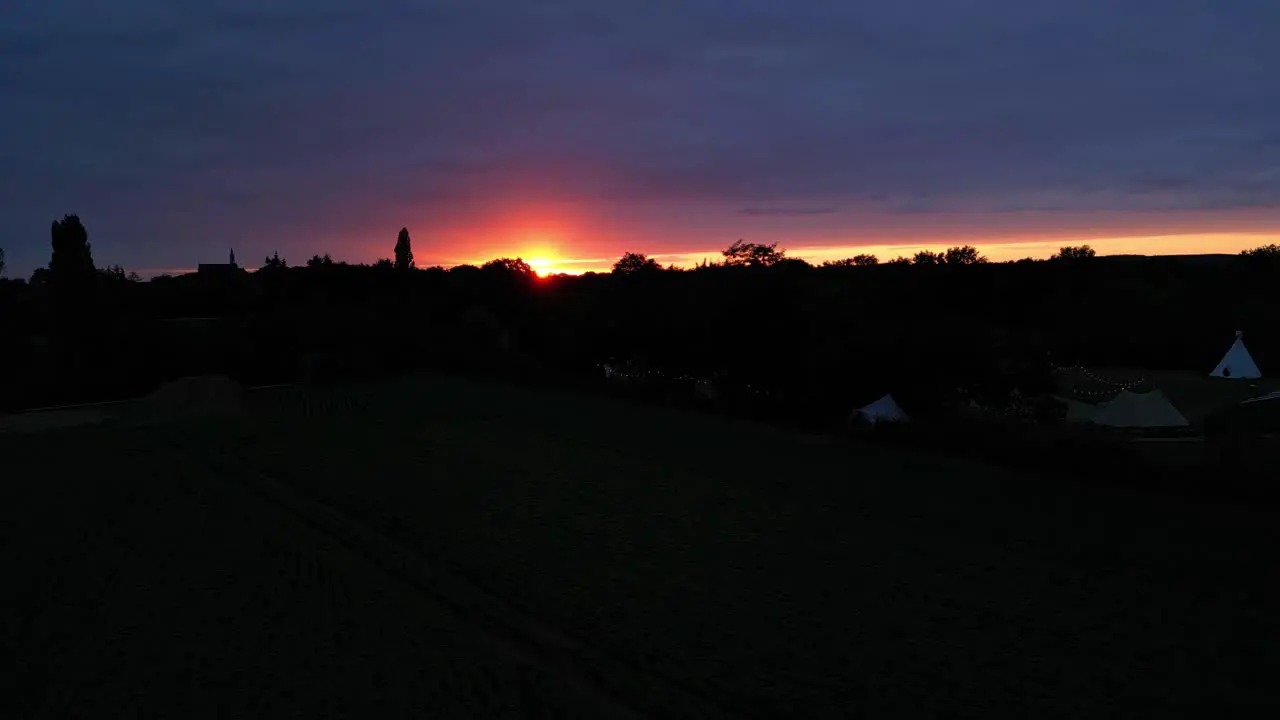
1113, 387
627, 372
1094, 376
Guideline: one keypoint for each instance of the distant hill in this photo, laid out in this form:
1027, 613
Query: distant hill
1202, 259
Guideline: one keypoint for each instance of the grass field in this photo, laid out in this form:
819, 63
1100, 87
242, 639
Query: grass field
466, 548
140, 584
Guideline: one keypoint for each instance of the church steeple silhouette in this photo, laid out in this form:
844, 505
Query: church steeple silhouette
233, 257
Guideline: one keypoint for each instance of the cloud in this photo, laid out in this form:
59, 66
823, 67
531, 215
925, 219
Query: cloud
787, 212
177, 127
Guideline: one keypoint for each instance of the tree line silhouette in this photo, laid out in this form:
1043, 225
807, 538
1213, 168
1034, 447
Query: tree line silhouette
775, 332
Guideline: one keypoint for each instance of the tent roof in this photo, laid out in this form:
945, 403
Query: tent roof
883, 409
1079, 411
1237, 363
1262, 398
1140, 410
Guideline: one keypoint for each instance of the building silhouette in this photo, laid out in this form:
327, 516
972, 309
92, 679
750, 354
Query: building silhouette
227, 269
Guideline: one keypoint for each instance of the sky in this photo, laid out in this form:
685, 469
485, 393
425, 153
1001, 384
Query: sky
571, 131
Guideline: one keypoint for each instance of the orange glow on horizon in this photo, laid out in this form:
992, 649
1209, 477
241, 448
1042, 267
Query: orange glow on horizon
1198, 244
552, 251
546, 261
543, 267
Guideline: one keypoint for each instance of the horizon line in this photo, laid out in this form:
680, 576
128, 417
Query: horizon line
1153, 245
152, 273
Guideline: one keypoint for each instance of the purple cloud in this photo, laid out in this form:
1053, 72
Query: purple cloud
173, 128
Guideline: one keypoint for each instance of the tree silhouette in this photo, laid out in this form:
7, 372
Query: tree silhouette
752, 254
926, 257
900, 260
517, 267
72, 281
862, 260
275, 262
793, 264
404, 250
1075, 252
1263, 251
384, 264
72, 260
962, 255
1, 262
1262, 260
632, 262
113, 274
320, 261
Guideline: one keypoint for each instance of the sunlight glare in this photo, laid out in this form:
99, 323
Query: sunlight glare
542, 266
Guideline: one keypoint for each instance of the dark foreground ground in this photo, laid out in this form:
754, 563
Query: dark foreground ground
454, 549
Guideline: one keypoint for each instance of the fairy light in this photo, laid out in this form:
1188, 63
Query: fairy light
627, 373
1113, 387
1097, 378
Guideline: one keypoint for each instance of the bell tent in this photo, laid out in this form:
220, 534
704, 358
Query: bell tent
1140, 410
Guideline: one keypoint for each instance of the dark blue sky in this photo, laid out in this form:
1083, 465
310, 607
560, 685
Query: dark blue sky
578, 128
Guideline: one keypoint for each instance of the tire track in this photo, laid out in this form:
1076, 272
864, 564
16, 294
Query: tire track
594, 675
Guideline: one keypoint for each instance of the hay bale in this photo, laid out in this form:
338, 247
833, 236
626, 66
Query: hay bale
203, 395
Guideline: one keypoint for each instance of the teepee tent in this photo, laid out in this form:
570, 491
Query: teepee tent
1237, 363
882, 410
1140, 410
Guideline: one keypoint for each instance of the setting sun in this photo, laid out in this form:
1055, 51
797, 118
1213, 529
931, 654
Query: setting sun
546, 267
542, 266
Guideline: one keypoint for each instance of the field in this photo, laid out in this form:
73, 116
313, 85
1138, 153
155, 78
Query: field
458, 548
140, 584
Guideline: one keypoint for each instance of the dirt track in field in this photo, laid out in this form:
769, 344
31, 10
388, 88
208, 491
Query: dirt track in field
191, 595
591, 673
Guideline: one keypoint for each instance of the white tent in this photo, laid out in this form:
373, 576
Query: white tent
882, 410
1140, 410
1080, 412
1237, 363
